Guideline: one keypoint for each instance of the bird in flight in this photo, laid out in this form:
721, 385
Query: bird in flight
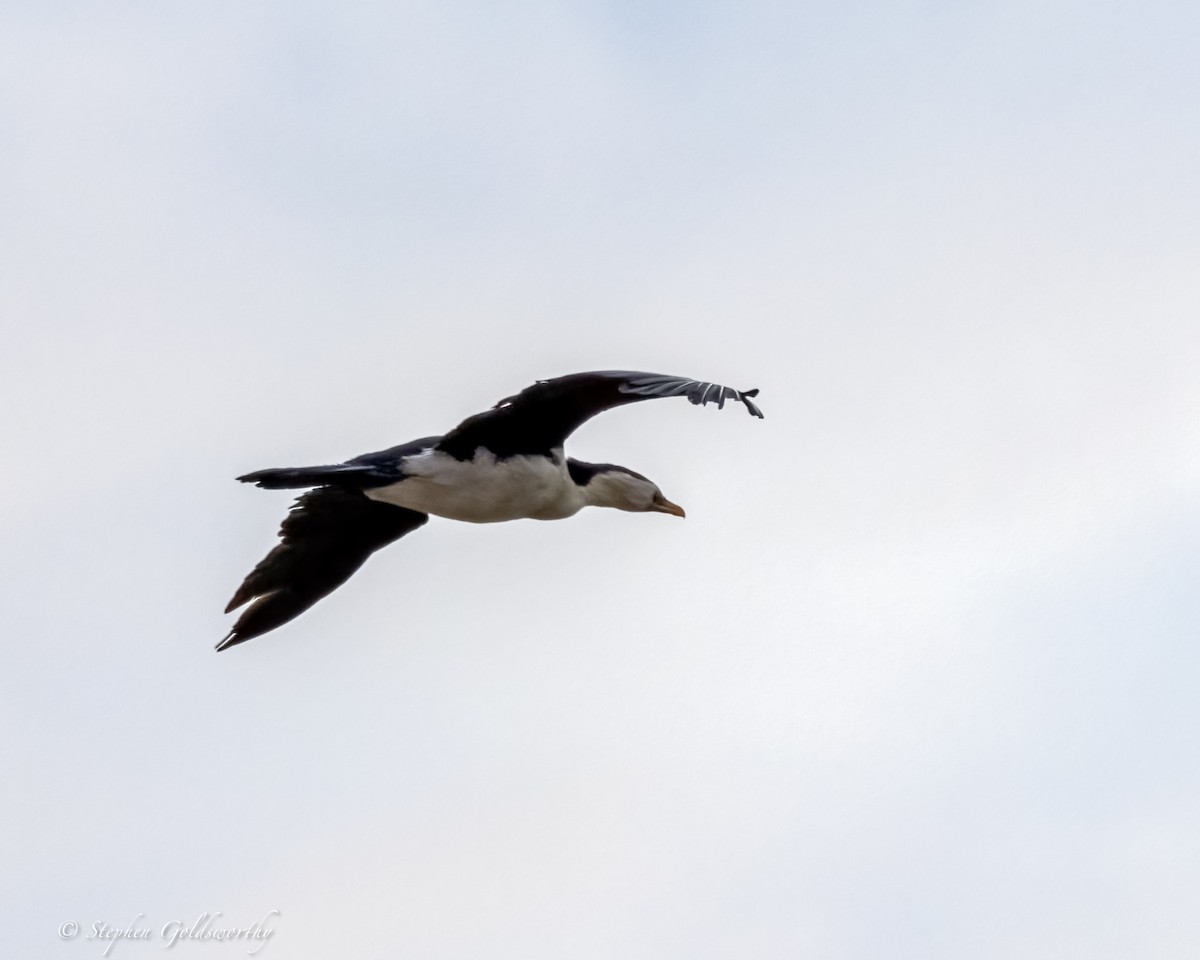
506, 463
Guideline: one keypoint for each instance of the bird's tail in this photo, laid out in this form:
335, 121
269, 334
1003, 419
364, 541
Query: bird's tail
291, 478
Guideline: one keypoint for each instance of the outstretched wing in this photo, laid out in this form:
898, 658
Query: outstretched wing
328, 535
541, 417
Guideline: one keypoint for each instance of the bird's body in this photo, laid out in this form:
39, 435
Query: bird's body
504, 464
485, 489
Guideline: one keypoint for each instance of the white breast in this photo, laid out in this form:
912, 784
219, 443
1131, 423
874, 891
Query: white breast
485, 490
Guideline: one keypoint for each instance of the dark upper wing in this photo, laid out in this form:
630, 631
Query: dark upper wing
541, 417
328, 535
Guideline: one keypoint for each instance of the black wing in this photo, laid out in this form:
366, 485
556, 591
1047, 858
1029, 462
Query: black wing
541, 417
328, 535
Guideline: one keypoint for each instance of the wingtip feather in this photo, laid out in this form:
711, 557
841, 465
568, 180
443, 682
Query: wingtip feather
244, 594
230, 640
745, 396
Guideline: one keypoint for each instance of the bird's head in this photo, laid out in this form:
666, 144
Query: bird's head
607, 485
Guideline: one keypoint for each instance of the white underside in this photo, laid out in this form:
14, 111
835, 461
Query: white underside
485, 490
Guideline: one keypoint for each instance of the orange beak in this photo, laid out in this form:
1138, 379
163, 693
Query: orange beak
663, 505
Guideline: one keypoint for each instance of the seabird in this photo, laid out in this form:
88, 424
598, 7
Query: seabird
504, 464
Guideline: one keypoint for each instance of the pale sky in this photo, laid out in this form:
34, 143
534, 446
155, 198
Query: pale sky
916, 678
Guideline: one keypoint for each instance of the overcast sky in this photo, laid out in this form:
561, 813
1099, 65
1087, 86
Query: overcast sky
917, 676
